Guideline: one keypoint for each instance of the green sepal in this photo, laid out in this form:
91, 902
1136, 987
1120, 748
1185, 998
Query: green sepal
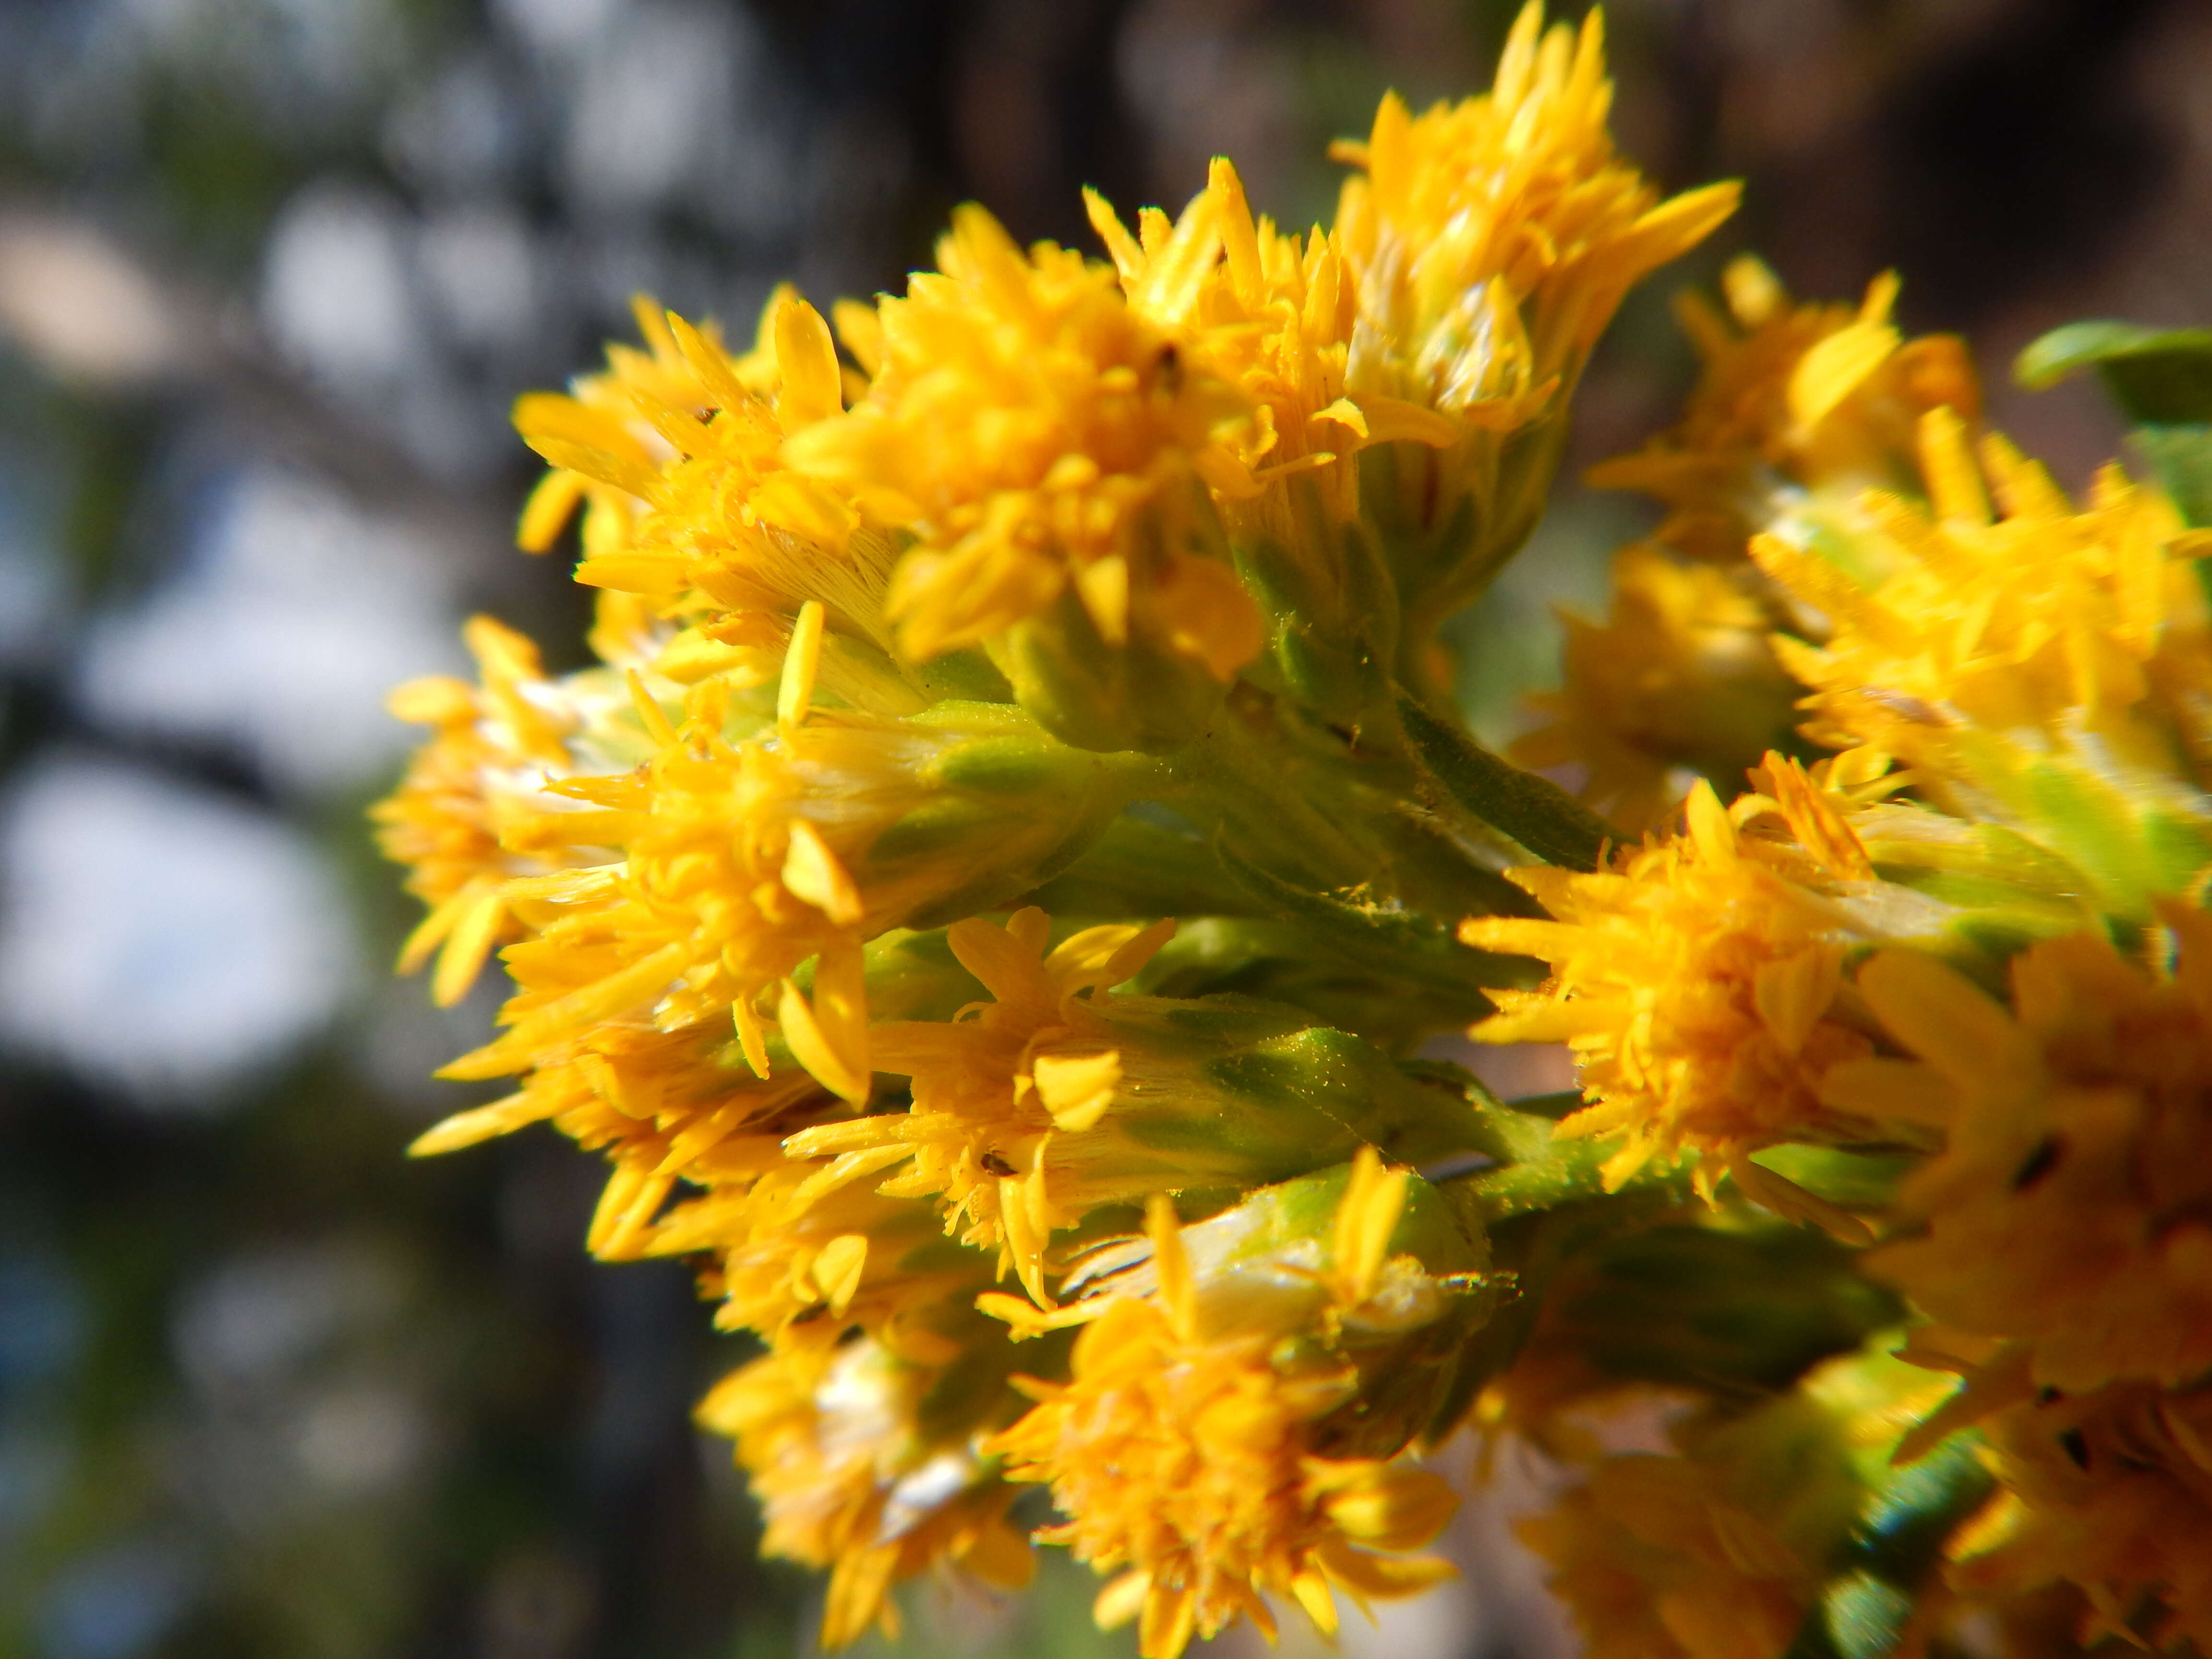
1137, 868
1424, 955
1093, 695
1533, 810
1278, 961
1407, 1121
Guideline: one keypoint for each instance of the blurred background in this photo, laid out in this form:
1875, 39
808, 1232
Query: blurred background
271, 273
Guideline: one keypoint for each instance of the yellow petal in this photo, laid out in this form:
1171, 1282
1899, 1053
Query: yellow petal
1077, 1088
812, 873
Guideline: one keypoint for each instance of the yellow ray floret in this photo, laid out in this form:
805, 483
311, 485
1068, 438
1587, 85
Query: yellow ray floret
1695, 981
476, 809
1790, 397
2068, 1211
724, 864
1495, 237
1270, 312
693, 514
1185, 1460
2034, 624
994, 1089
1038, 436
851, 1481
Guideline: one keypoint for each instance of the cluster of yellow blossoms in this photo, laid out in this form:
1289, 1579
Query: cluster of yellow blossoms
994, 901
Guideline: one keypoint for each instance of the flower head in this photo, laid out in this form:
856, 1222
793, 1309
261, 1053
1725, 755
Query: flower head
1061, 1097
1270, 312
2111, 1491
736, 861
834, 1443
476, 809
1792, 398
1697, 979
1040, 439
2014, 658
1195, 1448
1717, 1550
678, 457
1495, 237
2068, 1211
1678, 679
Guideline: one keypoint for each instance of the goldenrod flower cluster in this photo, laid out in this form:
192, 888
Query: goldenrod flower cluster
995, 899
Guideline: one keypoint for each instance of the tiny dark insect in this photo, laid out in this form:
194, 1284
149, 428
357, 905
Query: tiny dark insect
2037, 1164
997, 1165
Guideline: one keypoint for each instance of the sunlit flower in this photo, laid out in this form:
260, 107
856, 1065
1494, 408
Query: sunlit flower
1191, 1448
1678, 679
992, 1093
687, 433
1272, 313
834, 1442
472, 812
1791, 399
2068, 1211
1040, 438
737, 861
1495, 237
2039, 667
1697, 981
1062, 1096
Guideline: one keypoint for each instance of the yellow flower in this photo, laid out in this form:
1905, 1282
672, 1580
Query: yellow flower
1192, 1451
1679, 677
1655, 1562
616, 441
735, 862
834, 1442
993, 1094
2068, 1211
1717, 1552
1697, 981
1791, 399
1494, 238
704, 543
1062, 1098
2111, 1491
475, 809
2011, 659
1269, 312
1040, 439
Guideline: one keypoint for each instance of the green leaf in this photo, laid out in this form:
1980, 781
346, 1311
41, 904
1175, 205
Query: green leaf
2180, 453
2157, 375
1535, 811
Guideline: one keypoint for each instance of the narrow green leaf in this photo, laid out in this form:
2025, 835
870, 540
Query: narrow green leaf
1536, 811
2156, 375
